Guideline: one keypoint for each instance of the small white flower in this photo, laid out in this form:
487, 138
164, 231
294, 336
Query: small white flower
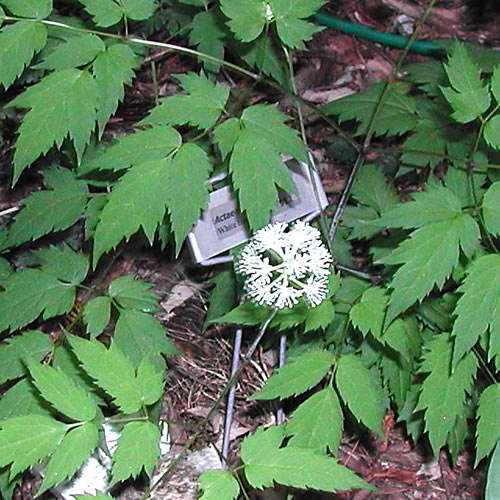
283, 263
269, 13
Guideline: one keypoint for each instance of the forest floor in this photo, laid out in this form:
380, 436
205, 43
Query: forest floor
334, 65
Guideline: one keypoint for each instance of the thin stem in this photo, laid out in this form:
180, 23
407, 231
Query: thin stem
8, 211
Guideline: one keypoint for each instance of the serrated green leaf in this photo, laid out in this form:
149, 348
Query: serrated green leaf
137, 149
262, 441
397, 375
92, 213
298, 376
73, 52
29, 8
403, 335
359, 392
218, 485
25, 440
479, 305
371, 189
468, 96
188, 173
111, 370
28, 294
104, 12
201, 107
257, 193
62, 393
289, 17
428, 257
22, 399
24, 39
397, 115
140, 335
132, 293
223, 296
207, 34
442, 394
5, 270
63, 263
17, 350
137, 450
96, 315
317, 423
113, 69
488, 424
493, 478
436, 205
49, 210
320, 316
226, 134
247, 18
70, 454
300, 468
138, 9
361, 221
491, 208
248, 313
368, 314
150, 382
63, 104
457, 181
491, 132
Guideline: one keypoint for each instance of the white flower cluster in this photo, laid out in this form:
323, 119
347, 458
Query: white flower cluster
281, 264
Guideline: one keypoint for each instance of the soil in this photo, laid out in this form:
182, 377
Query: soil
335, 65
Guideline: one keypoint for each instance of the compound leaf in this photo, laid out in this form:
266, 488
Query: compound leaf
62, 393
131, 293
138, 9
104, 12
25, 440
63, 263
113, 69
24, 39
479, 306
247, 18
208, 35
218, 485
22, 399
359, 393
442, 394
137, 449
16, 351
371, 189
201, 107
96, 315
29, 8
488, 424
298, 376
317, 423
150, 381
74, 449
491, 208
368, 314
49, 210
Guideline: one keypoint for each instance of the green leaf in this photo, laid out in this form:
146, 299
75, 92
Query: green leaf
201, 107
92, 213
317, 423
96, 315
28, 294
70, 454
479, 306
208, 35
491, 208
113, 69
18, 350
397, 115
140, 335
24, 39
457, 180
493, 479
62, 393
436, 205
247, 18
105, 12
371, 189
144, 146
22, 399
49, 210
300, 468
111, 370
289, 17
76, 51
138, 9
359, 392
223, 296
188, 173
29, 8
397, 374
218, 485
24, 441
403, 335
131, 293
368, 314
488, 424
248, 313
98, 496
137, 449
428, 257
150, 382
320, 316
443, 393
468, 97
63, 104
298, 376
63, 263
491, 132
